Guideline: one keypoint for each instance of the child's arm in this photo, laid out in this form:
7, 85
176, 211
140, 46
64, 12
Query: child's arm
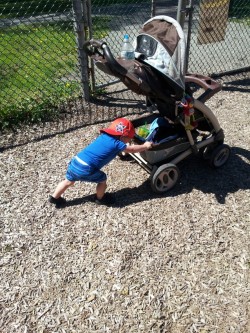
138, 148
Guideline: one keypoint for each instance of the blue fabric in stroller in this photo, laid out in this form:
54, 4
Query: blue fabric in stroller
158, 129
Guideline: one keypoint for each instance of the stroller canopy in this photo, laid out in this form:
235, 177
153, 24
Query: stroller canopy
161, 44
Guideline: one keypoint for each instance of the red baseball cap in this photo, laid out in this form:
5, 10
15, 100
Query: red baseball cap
120, 126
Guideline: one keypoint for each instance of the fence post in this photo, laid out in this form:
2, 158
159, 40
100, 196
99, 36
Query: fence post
88, 28
80, 39
181, 12
181, 15
190, 11
153, 8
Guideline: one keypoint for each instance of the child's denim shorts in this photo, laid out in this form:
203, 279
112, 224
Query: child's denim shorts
83, 172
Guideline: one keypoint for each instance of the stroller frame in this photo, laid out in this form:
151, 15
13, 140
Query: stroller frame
142, 76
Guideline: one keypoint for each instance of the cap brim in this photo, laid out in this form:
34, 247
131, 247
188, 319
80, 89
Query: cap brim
110, 131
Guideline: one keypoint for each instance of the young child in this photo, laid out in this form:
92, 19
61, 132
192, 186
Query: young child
87, 164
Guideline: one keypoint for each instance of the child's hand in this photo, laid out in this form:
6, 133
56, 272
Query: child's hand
148, 144
138, 148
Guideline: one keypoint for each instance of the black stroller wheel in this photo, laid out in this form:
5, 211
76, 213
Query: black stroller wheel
165, 178
219, 156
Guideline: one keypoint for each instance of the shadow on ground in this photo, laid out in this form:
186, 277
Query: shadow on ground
241, 85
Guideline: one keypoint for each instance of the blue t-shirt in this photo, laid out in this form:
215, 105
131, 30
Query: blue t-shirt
101, 151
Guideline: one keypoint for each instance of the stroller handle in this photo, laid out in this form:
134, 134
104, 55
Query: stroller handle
93, 47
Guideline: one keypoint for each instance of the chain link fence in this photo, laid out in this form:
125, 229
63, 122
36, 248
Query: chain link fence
38, 59
126, 17
39, 63
41, 69
220, 37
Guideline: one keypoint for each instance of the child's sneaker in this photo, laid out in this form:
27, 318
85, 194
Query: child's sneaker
107, 199
58, 202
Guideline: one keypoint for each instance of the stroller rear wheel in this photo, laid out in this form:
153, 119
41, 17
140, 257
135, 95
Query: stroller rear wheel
164, 178
219, 156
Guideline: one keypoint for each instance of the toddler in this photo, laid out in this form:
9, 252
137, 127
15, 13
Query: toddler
87, 164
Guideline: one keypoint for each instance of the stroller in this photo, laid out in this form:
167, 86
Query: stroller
180, 124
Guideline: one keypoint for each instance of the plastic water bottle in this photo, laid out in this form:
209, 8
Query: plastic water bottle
127, 51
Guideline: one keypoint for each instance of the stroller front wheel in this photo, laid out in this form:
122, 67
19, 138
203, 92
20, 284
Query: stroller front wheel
219, 156
164, 178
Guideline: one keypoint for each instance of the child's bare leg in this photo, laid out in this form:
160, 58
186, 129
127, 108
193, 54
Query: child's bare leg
100, 189
62, 187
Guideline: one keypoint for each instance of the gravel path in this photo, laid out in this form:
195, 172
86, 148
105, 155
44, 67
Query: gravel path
174, 263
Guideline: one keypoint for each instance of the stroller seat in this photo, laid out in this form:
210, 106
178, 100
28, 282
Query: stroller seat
161, 44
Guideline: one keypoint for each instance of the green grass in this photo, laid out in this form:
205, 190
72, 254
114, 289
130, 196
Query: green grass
38, 62
15, 8
38, 70
239, 9
26, 8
